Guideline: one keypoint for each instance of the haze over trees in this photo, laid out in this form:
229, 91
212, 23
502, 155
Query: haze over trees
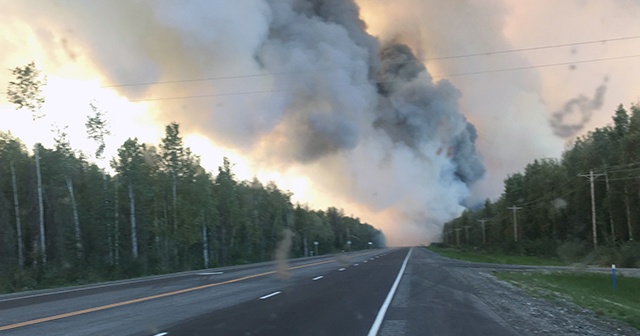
552, 204
160, 212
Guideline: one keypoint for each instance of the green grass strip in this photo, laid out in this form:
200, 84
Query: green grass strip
495, 258
589, 290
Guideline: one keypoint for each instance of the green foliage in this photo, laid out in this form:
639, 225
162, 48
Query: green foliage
97, 128
572, 251
26, 90
630, 255
213, 216
553, 201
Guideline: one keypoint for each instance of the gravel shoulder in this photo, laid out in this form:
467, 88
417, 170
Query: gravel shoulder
439, 296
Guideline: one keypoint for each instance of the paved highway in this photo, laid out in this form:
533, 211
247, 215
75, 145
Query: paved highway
378, 292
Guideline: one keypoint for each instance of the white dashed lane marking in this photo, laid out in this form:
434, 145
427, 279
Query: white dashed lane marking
269, 295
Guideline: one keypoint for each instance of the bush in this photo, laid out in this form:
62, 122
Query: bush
538, 247
630, 255
572, 251
602, 256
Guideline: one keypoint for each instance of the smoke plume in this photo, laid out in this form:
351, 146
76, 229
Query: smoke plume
291, 83
580, 109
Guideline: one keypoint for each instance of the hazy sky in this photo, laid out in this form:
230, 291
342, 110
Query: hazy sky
516, 64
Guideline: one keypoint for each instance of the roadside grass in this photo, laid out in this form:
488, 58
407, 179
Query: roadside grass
495, 258
589, 290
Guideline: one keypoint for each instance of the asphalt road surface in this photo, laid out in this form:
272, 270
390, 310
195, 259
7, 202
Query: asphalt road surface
404, 291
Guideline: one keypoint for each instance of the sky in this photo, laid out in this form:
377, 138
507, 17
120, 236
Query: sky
289, 97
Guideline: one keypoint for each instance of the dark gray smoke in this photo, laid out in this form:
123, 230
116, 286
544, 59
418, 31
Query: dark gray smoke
576, 113
415, 111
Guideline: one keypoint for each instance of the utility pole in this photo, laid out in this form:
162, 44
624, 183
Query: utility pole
515, 221
484, 236
628, 211
466, 233
592, 178
458, 236
613, 228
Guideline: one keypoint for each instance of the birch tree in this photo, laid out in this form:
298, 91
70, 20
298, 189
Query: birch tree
97, 128
12, 150
129, 165
173, 155
26, 93
63, 147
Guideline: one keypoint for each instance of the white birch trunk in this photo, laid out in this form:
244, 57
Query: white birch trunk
76, 219
174, 192
43, 245
116, 225
16, 205
106, 207
134, 236
205, 244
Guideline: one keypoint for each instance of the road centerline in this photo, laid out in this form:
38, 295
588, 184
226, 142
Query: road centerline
146, 298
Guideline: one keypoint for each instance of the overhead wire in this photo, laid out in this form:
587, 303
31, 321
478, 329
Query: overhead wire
507, 51
191, 80
469, 73
390, 81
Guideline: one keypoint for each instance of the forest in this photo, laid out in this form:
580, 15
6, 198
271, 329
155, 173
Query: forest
582, 207
65, 221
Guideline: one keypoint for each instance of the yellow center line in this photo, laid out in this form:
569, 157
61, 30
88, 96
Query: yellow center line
143, 299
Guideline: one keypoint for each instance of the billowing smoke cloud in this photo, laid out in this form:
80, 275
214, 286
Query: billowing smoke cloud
461, 40
580, 109
414, 111
293, 83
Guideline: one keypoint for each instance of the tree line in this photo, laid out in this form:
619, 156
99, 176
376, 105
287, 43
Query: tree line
64, 220
584, 204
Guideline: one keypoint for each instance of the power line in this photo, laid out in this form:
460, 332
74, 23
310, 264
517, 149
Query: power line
205, 95
542, 198
498, 52
461, 74
529, 67
391, 81
508, 51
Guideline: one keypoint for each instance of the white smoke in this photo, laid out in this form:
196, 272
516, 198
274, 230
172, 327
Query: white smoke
291, 83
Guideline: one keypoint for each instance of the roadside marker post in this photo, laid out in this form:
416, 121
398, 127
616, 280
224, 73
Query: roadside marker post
613, 276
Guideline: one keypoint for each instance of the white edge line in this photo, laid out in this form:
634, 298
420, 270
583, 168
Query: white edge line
385, 305
269, 295
317, 278
342, 269
161, 334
